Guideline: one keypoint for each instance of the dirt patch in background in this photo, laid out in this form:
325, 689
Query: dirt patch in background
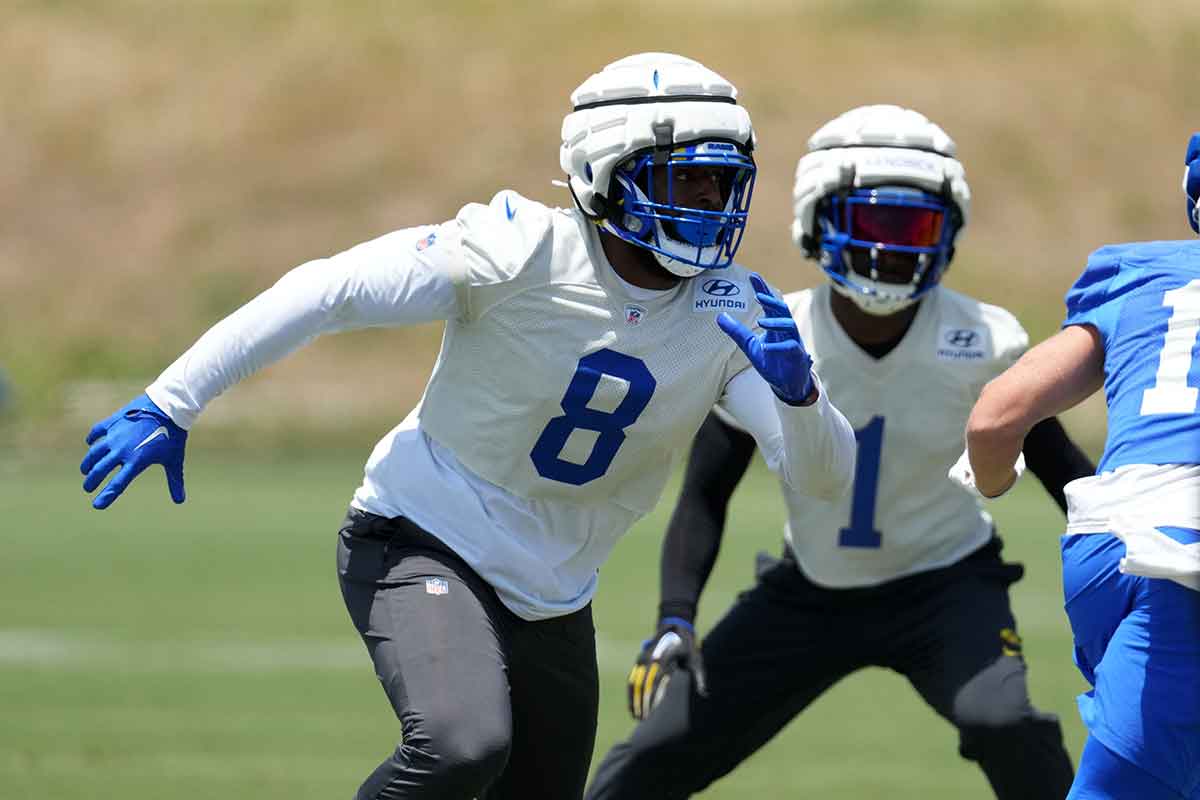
162, 163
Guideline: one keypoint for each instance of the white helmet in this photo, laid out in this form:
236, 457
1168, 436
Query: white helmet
880, 185
660, 111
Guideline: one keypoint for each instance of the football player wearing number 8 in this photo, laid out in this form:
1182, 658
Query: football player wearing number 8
905, 572
582, 350
1131, 551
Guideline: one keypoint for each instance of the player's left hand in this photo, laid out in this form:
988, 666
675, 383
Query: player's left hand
672, 647
778, 353
963, 474
136, 436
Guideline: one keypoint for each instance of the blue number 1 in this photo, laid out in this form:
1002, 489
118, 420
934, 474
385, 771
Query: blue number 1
861, 532
610, 425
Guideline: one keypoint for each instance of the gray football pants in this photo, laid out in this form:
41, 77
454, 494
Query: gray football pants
786, 641
490, 706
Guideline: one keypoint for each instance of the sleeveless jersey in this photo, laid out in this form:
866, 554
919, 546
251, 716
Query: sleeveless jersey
908, 409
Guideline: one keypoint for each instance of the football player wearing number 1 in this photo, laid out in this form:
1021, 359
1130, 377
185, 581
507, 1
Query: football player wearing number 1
1131, 551
904, 573
582, 350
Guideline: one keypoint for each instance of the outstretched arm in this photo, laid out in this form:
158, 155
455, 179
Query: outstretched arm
1055, 459
719, 457
383, 282
1052, 377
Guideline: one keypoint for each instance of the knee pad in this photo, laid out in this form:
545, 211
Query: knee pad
998, 696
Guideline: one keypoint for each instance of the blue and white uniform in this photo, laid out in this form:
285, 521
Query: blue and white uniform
559, 399
1132, 548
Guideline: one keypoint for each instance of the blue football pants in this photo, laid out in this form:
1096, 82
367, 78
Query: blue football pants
1137, 641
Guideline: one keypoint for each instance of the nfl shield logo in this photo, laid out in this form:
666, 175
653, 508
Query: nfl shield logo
436, 586
634, 313
427, 241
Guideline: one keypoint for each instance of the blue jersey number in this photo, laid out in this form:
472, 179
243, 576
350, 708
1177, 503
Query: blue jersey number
861, 532
610, 425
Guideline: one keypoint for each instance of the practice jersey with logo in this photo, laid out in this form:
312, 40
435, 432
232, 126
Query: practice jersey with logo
1144, 300
908, 409
553, 380
559, 399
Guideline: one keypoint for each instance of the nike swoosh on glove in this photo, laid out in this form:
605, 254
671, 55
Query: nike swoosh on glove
136, 436
778, 354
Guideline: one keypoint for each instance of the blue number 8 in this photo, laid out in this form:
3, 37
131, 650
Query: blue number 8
610, 425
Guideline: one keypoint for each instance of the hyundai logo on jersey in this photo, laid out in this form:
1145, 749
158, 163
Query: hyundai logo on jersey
721, 288
961, 337
718, 294
961, 344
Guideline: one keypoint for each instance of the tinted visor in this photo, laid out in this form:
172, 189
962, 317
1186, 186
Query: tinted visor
908, 226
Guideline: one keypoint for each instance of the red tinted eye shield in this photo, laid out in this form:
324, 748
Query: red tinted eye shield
907, 226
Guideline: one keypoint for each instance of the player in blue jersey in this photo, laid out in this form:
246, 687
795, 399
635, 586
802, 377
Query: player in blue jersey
1131, 553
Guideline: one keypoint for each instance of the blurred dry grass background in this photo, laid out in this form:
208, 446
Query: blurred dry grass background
164, 161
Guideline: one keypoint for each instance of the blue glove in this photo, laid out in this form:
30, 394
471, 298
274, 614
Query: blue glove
778, 353
135, 437
672, 647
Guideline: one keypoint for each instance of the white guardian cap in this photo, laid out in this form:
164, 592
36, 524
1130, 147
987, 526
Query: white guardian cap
879, 200
639, 127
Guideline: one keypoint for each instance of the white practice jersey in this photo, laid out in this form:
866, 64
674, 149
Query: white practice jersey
558, 401
908, 410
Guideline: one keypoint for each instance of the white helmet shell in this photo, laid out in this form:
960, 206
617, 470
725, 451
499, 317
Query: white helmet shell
875, 146
644, 101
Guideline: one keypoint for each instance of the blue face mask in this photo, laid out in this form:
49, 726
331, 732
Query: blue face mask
655, 212
1191, 182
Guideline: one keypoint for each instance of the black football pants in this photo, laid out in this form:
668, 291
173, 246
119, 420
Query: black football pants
950, 632
490, 705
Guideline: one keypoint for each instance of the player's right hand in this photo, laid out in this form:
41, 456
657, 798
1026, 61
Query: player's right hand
136, 436
672, 647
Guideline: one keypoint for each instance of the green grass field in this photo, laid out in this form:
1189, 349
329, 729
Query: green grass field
203, 651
